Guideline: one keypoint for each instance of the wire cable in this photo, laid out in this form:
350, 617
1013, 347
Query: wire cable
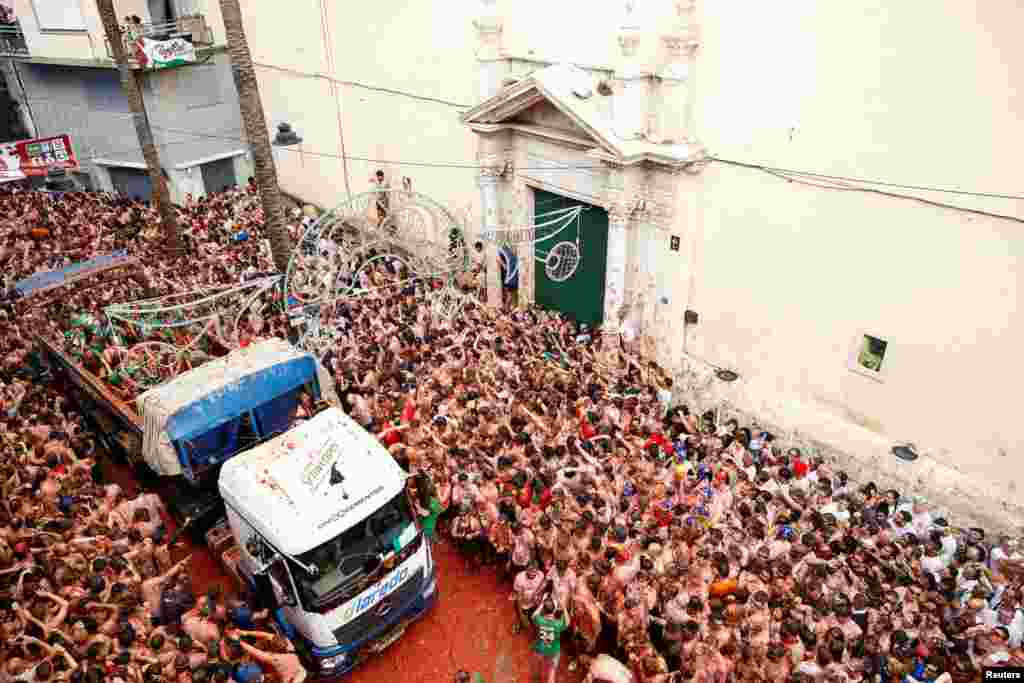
383, 162
843, 187
760, 167
828, 182
364, 86
326, 31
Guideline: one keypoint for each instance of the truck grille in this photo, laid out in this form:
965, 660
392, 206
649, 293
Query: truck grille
362, 625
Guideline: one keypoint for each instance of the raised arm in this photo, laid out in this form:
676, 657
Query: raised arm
258, 655
62, 613
173, 571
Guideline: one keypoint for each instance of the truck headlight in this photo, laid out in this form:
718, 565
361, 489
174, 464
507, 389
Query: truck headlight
334, 662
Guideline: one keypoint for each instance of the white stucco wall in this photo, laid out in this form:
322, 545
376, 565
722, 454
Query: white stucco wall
396, 45
788, 276
784, 277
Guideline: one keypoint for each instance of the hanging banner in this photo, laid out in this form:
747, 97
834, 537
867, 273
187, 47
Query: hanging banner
33, 157
162, 54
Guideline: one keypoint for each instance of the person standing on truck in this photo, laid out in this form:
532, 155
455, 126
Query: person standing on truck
550, 620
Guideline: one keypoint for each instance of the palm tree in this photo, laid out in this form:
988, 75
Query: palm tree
131, 83
256, 131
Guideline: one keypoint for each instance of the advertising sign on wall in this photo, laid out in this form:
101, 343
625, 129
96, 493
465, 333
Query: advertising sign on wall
33, 157
161, 54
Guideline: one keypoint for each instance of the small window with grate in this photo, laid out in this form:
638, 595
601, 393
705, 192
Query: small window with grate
869, 356
872, 353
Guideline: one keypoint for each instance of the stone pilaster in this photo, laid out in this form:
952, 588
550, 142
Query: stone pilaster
615, 273
679, 47
629, 104
662, 217
492, 164
489, 26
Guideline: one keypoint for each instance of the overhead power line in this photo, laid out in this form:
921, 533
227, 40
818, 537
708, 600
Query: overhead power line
809, 178
760, 167
364, 86
844, 187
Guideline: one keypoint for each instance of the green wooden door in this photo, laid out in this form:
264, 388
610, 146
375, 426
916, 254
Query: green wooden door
582, 295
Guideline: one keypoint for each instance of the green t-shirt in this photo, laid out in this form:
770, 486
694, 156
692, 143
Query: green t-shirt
549, 634
430, 520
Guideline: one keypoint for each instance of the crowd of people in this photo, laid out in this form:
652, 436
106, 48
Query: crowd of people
694, 551
89, 590
689, 548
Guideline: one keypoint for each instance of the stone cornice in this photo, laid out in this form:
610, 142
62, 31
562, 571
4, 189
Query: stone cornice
535, 131
659, 162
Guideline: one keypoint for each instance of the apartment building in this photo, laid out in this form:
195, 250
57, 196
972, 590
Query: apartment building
58, 68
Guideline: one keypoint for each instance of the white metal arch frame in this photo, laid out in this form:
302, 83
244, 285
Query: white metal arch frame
347, 241
336, 257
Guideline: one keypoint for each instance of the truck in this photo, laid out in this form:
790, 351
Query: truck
311, 514
324, 535
177, 435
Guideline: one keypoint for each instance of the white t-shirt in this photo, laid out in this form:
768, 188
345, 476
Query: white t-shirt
630, 330
948, 550
28, 675
922, 523
326, 246
665, 399
934, 565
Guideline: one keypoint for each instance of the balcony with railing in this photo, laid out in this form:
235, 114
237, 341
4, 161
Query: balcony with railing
12, 41
191, 28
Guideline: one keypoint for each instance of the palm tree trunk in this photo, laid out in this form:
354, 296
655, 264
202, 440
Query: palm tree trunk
256, 131
131, 83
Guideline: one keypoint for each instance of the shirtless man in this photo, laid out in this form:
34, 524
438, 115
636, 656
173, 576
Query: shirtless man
279, 656
152, 587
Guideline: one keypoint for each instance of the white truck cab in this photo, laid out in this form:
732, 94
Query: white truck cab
327, 537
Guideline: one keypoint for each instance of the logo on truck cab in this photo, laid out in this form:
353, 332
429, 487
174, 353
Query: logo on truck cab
370, 598
313, 474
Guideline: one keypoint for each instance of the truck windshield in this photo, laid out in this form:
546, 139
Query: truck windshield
349, 562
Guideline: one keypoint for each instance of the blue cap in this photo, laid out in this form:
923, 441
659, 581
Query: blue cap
247, 673
242, 617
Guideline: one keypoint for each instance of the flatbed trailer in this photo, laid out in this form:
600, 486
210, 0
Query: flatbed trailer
178, 434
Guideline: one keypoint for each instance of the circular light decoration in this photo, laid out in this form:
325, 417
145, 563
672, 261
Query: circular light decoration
726, 375
562, 261
905, 452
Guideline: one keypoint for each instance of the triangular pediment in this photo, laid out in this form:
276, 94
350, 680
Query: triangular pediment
547, 115
563, 102
545, 100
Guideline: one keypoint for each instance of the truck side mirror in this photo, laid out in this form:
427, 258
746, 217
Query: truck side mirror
280, 581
